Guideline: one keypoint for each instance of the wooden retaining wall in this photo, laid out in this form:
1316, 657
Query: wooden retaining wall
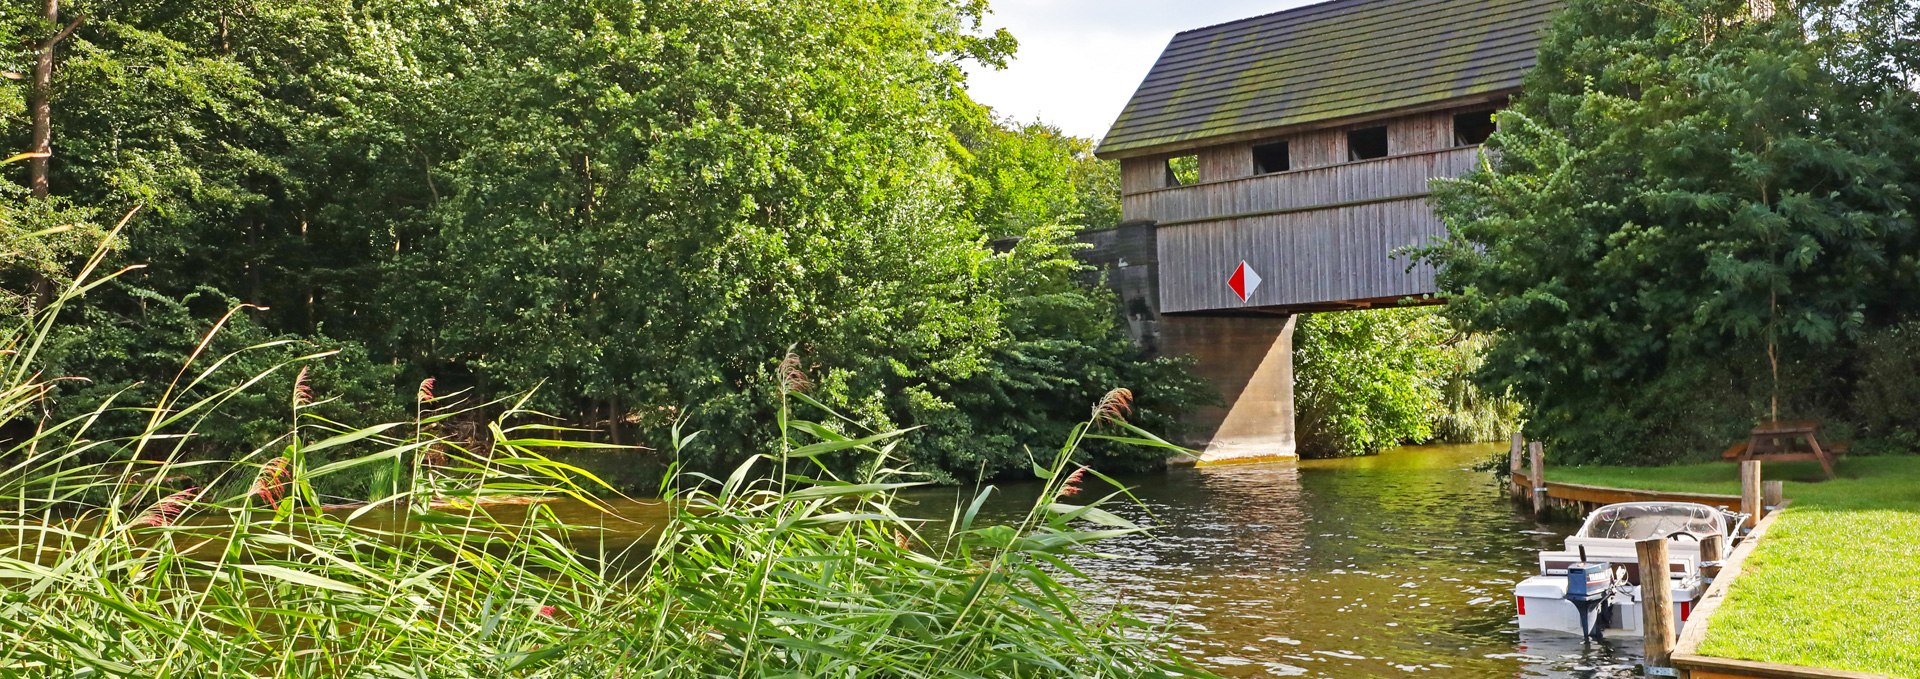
1580, 499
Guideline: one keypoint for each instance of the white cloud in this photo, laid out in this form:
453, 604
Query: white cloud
1080, 60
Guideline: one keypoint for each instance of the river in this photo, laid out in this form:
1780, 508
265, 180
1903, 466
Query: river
1396, 565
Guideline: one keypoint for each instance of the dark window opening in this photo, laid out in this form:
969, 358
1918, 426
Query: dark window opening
1183, 170
1472, 128
1271, 158
1367, 143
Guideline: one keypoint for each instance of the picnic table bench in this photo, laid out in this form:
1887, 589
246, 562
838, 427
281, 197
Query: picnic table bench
1780, 442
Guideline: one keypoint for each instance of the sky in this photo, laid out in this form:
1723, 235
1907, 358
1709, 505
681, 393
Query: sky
1080, 60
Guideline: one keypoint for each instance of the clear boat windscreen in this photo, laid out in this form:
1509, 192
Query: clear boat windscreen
1641, 522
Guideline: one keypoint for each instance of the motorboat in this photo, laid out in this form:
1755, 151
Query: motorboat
1593, 587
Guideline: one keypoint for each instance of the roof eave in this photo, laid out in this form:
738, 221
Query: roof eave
1107, 151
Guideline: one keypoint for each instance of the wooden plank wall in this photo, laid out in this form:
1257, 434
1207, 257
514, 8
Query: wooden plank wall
1393, 177
1415, 134
1227, 162
1139, 175
1309, 257
1319, 148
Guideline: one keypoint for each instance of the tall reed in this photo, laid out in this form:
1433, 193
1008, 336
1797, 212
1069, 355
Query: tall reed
111, 569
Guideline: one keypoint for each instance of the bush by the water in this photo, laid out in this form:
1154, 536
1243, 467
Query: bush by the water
1365, 381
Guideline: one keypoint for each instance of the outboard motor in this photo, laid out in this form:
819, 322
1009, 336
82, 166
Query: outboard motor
1589, 588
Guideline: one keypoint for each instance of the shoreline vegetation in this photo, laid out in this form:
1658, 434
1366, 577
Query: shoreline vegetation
795, 564
1832, 586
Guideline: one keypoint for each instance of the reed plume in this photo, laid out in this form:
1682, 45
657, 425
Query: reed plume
302, 392
1072, 485
270, 485
1115, 406
167, 510
792, 377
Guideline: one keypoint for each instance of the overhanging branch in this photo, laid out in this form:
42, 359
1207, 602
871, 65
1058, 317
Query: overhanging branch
64, 32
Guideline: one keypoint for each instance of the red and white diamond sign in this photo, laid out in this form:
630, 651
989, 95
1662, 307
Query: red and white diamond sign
1244, 281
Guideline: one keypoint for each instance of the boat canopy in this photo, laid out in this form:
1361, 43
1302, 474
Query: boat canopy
1644, 520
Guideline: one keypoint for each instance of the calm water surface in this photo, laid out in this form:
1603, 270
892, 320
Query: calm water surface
1390, 566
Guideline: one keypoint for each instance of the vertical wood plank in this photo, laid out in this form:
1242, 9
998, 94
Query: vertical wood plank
1773, 494
1142, 174
1656, 602
1514, 464
1539, 476
1750, 491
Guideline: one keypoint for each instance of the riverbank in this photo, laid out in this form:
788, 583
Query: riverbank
1833, 586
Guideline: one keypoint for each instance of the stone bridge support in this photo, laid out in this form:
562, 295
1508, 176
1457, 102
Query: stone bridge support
1249, 361
1247, 358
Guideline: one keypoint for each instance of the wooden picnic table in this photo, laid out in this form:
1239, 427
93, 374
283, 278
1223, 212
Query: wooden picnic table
1779, 442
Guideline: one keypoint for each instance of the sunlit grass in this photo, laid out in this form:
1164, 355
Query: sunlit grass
1835, 584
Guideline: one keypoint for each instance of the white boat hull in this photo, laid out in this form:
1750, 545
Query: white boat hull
1553, 613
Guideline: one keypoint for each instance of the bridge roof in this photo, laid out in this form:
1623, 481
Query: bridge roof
1328, 61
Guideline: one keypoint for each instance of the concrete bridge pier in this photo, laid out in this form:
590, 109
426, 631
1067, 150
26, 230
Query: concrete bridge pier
1249, 361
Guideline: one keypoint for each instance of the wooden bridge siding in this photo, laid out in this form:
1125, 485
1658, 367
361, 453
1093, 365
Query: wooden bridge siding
1410, 135
1425, 132
1393, 177
1226, 162
1307, 257
1139, 175
1319, 148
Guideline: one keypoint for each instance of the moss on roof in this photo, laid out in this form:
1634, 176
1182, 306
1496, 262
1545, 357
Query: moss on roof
1331, 60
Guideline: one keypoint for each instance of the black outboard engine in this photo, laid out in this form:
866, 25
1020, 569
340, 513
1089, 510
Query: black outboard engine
1589, 586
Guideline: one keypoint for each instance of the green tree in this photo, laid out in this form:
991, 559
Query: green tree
1365, 381
634, 204
1685, 197
1027, 175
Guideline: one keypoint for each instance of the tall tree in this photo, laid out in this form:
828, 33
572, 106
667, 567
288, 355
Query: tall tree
1682, 188
635, 205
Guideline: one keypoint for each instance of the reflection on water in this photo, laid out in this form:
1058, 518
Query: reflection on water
1396, 565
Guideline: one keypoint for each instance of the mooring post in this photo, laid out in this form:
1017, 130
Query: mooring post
1774, 495
1750, 491
1539, 478
1713, 550
1514, 465
1656, 605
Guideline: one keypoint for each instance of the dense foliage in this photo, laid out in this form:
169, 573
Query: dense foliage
1687, 199
631, 203
1365, 381
160, 565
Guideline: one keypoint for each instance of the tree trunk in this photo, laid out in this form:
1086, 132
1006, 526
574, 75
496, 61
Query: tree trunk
40, 104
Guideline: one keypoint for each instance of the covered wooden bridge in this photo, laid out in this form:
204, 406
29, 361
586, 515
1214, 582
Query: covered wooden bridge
1276, 165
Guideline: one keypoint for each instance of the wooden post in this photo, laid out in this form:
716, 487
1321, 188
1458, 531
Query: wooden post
1515, 465
1713, 550
1539, 479
1656, 602
1750, 491
1773, 495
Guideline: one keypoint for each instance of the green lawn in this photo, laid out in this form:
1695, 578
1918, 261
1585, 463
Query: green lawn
1837, 582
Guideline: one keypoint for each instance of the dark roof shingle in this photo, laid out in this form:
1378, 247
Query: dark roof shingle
1326, 61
